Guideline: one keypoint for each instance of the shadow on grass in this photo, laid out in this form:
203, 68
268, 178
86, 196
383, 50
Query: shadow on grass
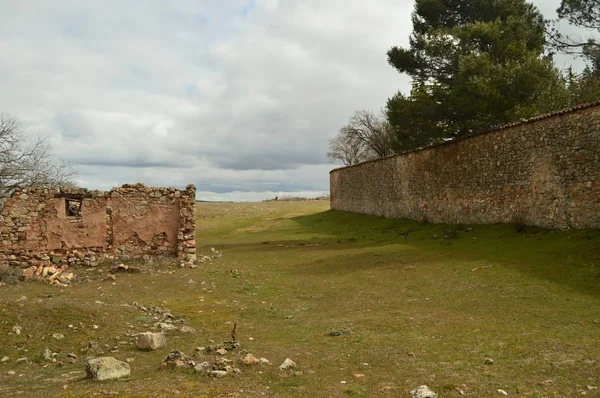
571, 258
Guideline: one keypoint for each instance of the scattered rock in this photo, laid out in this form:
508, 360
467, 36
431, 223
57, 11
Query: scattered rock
110, 278
501, 392
5, 359
187, 329
151, 341
548, 382
221, 351
265, 361
47, 354
489, 361
287, 364
58, 336
250, 360
201, 367
21, 360
11, 372
423, 392
165, 326
176, 359
107, 368
16, 329
218, 373
119, 268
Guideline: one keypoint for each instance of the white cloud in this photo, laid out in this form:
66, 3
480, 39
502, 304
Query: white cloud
239, 97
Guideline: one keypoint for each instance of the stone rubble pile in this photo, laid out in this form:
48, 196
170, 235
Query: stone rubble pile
214, 366
48, 272
193, 263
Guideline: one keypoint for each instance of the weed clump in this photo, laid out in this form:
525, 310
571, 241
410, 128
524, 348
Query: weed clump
340, 332
10, 275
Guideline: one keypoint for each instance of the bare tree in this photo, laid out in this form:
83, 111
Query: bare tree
28, 163
347, 148
366, 136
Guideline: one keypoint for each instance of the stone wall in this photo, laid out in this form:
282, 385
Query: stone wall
75, 226
543, 172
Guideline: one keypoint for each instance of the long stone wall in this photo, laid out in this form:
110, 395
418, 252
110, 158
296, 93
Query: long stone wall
76, 226
543, 172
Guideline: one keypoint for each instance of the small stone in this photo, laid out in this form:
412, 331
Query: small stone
58, 336
287, 364
187, 329
16, 329
107, 368
489, 361
119, 268
5, 359
72, 356
501, 392
11, 372
250, 360
218, 373
265, 361
201, 367
151, 341
47, 354
221, 351
21, 360
165, 326
175, 359
423, 392
358, 375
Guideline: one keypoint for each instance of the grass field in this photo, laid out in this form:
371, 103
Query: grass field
365, 306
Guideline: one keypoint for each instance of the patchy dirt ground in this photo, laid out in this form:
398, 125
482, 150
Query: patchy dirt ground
362, 305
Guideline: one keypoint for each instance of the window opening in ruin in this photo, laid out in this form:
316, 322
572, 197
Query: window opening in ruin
73, 207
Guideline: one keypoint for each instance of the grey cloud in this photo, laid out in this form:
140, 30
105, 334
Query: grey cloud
196, 90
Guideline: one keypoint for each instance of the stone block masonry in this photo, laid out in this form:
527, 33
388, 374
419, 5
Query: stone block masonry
76, 226
543, 172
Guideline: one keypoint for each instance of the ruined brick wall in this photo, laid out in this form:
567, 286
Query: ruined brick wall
133, 221
543, 172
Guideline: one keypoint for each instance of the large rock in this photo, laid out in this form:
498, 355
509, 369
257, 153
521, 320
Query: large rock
151, 341
423, 392
287, 365
107, 368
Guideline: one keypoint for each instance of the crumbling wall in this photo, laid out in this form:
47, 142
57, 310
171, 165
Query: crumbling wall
543, 172
76, 226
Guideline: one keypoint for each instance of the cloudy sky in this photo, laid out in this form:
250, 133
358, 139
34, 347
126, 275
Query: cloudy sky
239, 97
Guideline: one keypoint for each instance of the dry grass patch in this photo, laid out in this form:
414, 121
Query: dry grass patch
340, 294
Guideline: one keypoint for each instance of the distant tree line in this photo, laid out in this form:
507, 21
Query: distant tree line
475, 65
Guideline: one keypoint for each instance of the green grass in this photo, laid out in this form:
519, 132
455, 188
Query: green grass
413, 310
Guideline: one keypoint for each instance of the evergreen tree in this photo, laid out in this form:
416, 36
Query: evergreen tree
475, 64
